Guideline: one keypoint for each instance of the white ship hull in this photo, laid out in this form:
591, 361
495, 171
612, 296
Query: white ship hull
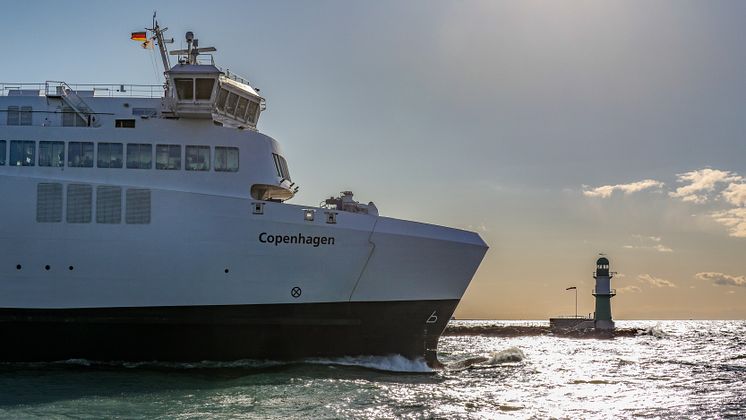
182, 256
209, 261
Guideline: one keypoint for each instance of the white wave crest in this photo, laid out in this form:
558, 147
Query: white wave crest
391, 363
656, 331
511, 354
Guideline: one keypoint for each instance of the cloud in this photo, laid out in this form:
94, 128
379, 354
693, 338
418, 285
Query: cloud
700, 183
605, 191
735, 194
629, 289
656, 247
662, 248
649, 243
735, 219
655, 281
722, 279
698, 187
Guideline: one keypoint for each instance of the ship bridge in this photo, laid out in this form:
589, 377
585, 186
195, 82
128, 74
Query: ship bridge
197, 88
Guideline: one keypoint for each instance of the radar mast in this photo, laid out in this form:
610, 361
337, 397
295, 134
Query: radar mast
161, 42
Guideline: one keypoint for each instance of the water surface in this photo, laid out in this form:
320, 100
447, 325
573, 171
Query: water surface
674, 369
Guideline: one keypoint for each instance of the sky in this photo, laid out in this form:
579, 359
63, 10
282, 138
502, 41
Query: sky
556, 130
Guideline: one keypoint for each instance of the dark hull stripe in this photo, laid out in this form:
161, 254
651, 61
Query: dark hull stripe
225, 332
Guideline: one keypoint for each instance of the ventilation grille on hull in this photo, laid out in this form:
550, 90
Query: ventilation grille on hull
49, 203
109, 204
138, 206
79, 200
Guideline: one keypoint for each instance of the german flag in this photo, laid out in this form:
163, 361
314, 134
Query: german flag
139, 36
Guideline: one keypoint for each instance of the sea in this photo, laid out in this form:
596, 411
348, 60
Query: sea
663, 369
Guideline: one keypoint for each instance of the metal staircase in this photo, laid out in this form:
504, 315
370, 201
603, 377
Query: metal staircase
55, 89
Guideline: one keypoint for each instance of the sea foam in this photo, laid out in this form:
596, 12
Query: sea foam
391, 363
509, 355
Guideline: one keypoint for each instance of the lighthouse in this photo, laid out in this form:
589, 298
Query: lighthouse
603, 293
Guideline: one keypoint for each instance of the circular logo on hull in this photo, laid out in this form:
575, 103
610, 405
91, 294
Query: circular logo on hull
296, 292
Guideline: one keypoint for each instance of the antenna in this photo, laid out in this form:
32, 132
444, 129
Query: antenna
158, 36
192, 50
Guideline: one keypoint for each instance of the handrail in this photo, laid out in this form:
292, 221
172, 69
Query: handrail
73, 100
612, 292
235, 77
99, 89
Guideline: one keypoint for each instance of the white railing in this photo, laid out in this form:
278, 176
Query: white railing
235, 77
98, 89
607, 292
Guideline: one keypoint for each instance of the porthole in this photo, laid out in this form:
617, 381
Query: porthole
71, 268
47, 267
226, 271
18, 267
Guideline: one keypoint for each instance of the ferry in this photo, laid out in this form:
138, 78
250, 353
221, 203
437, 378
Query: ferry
153, 223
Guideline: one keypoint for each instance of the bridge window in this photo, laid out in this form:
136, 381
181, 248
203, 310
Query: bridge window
241, 108
52, 153
110, 155
3, 146
251, 112
139, 156
22, 153
204, 88
197, 158
80, 154
230, 104
226, 159
222, 97
168, 156
184, 88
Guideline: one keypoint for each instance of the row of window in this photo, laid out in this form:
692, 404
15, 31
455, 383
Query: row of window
237, 106
19, 115
79, 204
200, 88
111, 155
24, 116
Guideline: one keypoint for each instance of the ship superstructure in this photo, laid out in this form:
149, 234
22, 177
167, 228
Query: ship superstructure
151, 223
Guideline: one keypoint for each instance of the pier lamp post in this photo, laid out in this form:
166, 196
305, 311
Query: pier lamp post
576, 298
